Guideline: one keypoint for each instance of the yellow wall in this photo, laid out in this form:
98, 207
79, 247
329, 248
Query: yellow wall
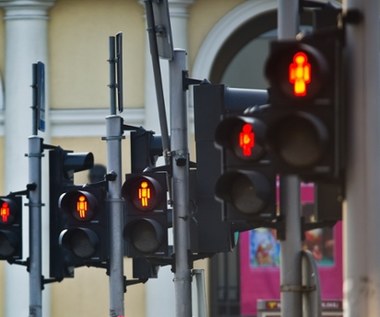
203, 15
78, 38
78, 78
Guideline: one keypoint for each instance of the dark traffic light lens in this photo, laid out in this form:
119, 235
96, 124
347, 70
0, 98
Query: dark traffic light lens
246, 196
146, 235
299, 140
80, 241
248, 191
8, 244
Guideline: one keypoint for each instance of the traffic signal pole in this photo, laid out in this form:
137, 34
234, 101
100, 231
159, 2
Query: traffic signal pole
114, 126
180, 183
290, 269
35, 257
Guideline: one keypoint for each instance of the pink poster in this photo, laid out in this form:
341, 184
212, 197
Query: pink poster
260, 259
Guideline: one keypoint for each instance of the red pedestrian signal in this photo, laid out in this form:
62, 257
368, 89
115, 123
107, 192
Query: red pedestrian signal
306, 129
242, 136
4, 212
146, 223
247, 139
145, 193
300, 74
10, 228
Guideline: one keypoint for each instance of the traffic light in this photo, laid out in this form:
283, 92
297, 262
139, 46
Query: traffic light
145, 149
306, 130
210, 232
84, 235
78, 222
146, 217
248, 180
10, 228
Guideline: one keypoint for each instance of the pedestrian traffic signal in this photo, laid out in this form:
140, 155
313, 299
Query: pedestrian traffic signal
10, 228
248, 180
306, 132
210, 232
84, 235
78, 222
146, 219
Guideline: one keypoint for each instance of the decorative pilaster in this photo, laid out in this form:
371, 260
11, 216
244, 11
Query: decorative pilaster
25, 44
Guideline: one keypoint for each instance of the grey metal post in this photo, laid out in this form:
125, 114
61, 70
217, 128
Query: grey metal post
362, 218
180, 165
290, 276
114, 126
35, 257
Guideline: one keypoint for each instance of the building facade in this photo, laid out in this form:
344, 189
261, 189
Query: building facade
71, 38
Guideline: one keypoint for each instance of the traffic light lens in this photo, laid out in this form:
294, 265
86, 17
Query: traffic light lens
5, 213
81, 242
146, 235
246, 140
300, 74
82, 208
8, 244
300, 140
144, 194
248, 191
246, 197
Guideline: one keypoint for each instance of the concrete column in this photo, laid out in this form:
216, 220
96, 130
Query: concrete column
25, 43
160, 292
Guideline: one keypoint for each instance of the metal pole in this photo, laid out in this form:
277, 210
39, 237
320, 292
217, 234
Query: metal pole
35, 258
290, 277
157, 79
362, 217
114, 136
180, 165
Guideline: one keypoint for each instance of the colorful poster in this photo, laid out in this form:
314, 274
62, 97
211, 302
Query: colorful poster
260, 260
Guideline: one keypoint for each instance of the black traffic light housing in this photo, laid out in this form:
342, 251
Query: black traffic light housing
10, 228
306, 132
248, 180
84, 236
145, 149
67, 229
145, 217
210, 232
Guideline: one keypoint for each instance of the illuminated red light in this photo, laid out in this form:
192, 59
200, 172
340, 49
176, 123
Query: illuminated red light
82, 207
247, 139
300, 74
5, 212
144, 194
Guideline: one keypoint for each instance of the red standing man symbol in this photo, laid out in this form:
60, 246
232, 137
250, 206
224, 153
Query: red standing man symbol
144, 194
300, 74
82, 207
247, 139
4, 212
